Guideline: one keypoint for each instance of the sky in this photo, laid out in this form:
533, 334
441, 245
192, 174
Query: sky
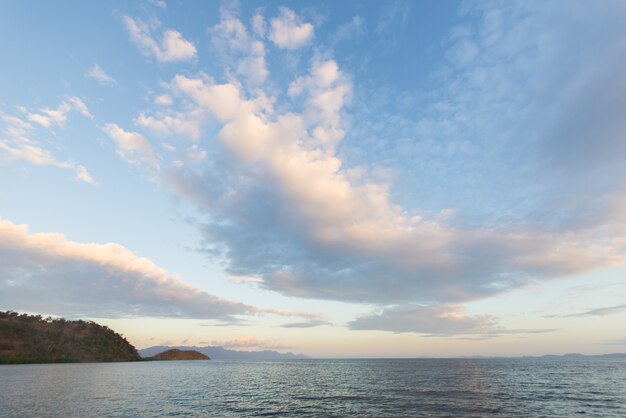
339, 179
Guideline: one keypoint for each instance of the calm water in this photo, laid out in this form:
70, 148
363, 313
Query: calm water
377, 388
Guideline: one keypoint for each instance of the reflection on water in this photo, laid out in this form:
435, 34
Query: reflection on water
377, 388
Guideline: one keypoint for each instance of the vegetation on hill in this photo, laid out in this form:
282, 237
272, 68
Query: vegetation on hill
175, 354
34, 339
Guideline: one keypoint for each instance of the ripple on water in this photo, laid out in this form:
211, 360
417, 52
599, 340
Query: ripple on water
318, 388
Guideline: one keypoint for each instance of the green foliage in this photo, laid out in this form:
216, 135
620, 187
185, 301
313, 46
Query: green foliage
34, 339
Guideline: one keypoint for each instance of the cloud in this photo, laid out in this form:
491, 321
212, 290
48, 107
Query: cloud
161, 4
205, 101
435, 320
248, 341
285, 204
171, 48
350, 30
45, 272
48, 117
288, 31
258, 25
285, 209
172, 123
132, 146
163, 100
80, 106
97, 73
306, 324
17, 143
83, 175
611, 310
392, 21
242, 50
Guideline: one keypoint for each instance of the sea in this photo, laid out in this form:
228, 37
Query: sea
524, 387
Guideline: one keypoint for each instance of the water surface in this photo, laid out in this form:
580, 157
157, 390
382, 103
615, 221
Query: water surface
319, 388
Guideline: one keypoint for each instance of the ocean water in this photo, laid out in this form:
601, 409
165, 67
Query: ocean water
319, 388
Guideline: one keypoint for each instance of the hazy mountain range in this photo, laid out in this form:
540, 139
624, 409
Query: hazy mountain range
220, 353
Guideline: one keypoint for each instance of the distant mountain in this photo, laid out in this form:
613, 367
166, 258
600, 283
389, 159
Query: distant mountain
34, 339
220, 353
175, 354
574, 356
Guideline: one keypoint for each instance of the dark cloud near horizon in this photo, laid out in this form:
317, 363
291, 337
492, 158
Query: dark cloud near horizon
610, 310
436, 321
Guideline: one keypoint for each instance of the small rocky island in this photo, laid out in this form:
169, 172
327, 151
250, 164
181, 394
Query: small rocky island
33, 339
175, 354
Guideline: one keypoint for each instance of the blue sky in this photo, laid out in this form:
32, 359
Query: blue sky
340, 179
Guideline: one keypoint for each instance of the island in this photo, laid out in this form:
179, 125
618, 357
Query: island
33, 339
175, 354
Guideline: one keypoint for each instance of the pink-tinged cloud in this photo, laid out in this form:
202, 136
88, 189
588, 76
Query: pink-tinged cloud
46, 272
248, 341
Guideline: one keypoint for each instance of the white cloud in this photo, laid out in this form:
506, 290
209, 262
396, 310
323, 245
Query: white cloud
205, 101
83, 175
248, 341
97, 73
48, 117
223, 101
80, 106
345, 239
163, 100
132, 146
185, 124
235, 43
289, 31
45, 272
17, 143
258, 25
172, 47
161, 4
283, 206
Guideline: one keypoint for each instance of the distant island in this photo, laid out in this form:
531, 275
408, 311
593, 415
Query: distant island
33, 339
220, 353
175, 354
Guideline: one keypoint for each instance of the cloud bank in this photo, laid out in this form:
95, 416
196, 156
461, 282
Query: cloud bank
45, 272
436, 321
283, 206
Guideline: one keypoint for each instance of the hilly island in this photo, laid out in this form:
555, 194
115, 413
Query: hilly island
175, 354
34, 339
